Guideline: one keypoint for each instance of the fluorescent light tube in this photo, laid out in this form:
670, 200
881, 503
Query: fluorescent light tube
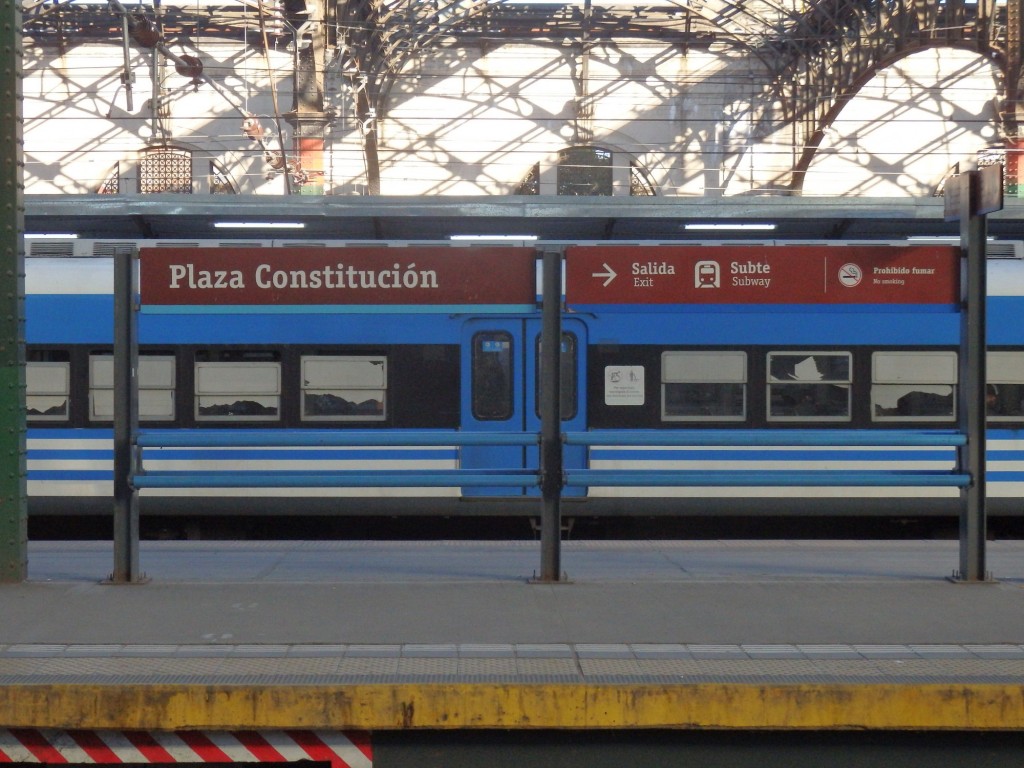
258, 225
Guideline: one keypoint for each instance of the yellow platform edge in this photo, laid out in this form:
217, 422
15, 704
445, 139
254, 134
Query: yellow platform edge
508, 705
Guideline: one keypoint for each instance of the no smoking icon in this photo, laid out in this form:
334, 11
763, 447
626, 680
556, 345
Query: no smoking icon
850, 275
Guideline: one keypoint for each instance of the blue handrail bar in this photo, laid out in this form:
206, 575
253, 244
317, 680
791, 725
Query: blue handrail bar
247, 439
751, 437
741, 478
531, 477
338, 437
340, 479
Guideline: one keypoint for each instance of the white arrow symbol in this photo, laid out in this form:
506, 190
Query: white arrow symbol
610, 274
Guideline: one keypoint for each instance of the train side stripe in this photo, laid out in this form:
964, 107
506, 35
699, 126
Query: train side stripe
71, 454
49, 474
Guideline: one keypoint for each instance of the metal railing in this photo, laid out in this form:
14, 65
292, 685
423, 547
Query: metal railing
767, 478
527, 477
336, 478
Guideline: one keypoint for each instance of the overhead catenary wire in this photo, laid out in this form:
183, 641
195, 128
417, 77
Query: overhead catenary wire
162, 46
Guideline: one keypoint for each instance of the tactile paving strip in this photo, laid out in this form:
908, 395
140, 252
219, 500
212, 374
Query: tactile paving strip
528, 663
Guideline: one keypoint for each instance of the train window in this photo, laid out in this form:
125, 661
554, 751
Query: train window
809, 386
48, 387
492, 376
237, 389
920, 386
343, 387
704, 385
567, 377
156, 387
1005, 376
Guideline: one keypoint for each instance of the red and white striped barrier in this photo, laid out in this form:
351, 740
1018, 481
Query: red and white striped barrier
31, 745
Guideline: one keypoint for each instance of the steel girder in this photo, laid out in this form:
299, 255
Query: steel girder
852, 40
815, 54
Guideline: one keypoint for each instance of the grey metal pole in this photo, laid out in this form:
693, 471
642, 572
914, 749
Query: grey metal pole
971, 396
550, 417
126, 421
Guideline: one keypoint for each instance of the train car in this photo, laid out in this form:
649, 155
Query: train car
691, 337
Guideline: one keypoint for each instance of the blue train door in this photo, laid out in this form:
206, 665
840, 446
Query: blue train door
500, 375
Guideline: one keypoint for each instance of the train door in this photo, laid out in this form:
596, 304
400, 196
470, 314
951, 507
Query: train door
500, 375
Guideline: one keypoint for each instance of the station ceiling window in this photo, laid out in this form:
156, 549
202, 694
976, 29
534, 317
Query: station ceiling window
585, 172
165, 170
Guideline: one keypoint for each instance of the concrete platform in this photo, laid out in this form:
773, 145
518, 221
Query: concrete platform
386, 635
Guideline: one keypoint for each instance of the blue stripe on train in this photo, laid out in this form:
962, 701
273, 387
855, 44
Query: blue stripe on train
71, 454
86, 319
83, 319
70, 474
1001, 476
68, 433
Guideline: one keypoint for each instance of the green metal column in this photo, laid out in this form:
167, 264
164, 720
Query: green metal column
13, 514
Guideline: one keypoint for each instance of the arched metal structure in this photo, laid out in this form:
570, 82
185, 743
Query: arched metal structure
816, 53
851, 41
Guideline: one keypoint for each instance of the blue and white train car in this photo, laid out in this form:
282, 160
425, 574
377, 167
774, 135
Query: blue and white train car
661, 351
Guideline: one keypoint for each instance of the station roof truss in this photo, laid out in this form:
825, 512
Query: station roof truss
816, 54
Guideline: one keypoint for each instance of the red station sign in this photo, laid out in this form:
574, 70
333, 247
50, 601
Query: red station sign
434, 275
751, 274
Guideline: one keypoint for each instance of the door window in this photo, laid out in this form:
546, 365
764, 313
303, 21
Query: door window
492, 376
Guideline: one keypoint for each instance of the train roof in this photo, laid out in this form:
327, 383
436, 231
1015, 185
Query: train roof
58, 247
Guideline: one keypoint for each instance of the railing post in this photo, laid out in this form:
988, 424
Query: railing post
973, 194
550, 416
126, 421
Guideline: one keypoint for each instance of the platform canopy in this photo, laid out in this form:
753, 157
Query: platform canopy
572, 219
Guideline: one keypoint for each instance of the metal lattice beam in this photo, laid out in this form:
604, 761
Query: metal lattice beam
816, 53
818, 74
13, 514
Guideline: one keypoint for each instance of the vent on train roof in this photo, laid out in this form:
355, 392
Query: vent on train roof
210, 244
1004, 249
994, 249
49, 247
112, 248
